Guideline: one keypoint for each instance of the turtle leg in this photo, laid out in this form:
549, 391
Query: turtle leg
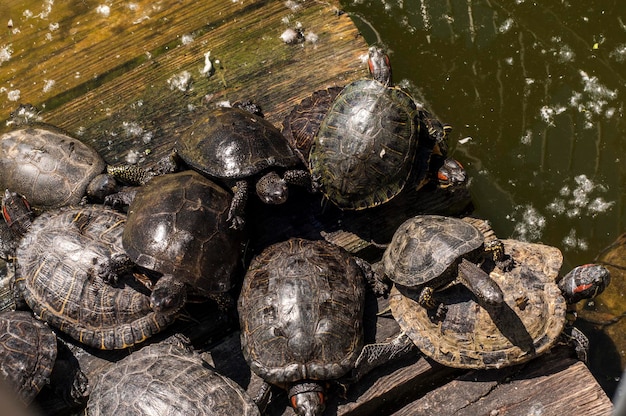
299, 177
376, 279
375, 355
263, 396
238, 205
427, 300
578, 340
110, 269
120, 199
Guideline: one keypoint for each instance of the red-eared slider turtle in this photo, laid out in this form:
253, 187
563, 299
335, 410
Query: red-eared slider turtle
300, 311
28, 349
167, 379
429, 251
178, 226
368, 144
240, 148
52, 169
71, 274
528, 323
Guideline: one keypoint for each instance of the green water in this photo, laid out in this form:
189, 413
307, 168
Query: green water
535, 92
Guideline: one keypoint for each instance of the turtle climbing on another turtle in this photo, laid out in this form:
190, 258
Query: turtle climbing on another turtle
167, 378
74, 274
364, 142
301, 310
240, 149
178, 226
530, 321
427, 252
52, 169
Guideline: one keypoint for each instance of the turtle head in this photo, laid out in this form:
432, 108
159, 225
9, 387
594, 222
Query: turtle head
272, 189
169, 295
101, 186
307, 398
17, 212
584, 282
451, 174
379, 65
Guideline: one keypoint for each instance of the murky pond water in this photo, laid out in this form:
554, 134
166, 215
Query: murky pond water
535, 92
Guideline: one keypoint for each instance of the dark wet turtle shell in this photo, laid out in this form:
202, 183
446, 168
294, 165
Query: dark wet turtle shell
425, 250
473, 336
300, 310
50, 168
177, 225
64, 260
366, 145
28, 349
167, 379
303, 123
231, 143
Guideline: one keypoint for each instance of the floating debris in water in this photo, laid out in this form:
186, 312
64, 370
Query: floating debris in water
13, 95
529, 223
132, 157
180, 81
506, 25
571, 241
619, 53
577, 201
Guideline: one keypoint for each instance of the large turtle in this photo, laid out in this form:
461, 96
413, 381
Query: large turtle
178, 226
368, 144
527, 324
52, 169
72, 274
429, 251
241, 149
300, 310
167, 379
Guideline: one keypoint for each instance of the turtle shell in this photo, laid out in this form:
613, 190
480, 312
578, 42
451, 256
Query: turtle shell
365, 148
177, 224
426, 249
301, 309
28, 349
231, 143
301, 125
470, 336
57, 276
49, 168
167, 379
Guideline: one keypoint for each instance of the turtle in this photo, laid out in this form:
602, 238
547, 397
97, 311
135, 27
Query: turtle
428, 252
74, 274
301, 310
528, 323
52, 169
178, 226
28, 350
240, 149
369, 142
167, 378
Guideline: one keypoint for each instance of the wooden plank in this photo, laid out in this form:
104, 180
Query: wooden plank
554, 384
111, 74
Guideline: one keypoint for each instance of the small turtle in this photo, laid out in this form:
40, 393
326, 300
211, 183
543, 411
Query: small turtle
301, 309
52, 169
428, 252
527, 324
239, 148
178, 226
368, 144
167, 378
71, 273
